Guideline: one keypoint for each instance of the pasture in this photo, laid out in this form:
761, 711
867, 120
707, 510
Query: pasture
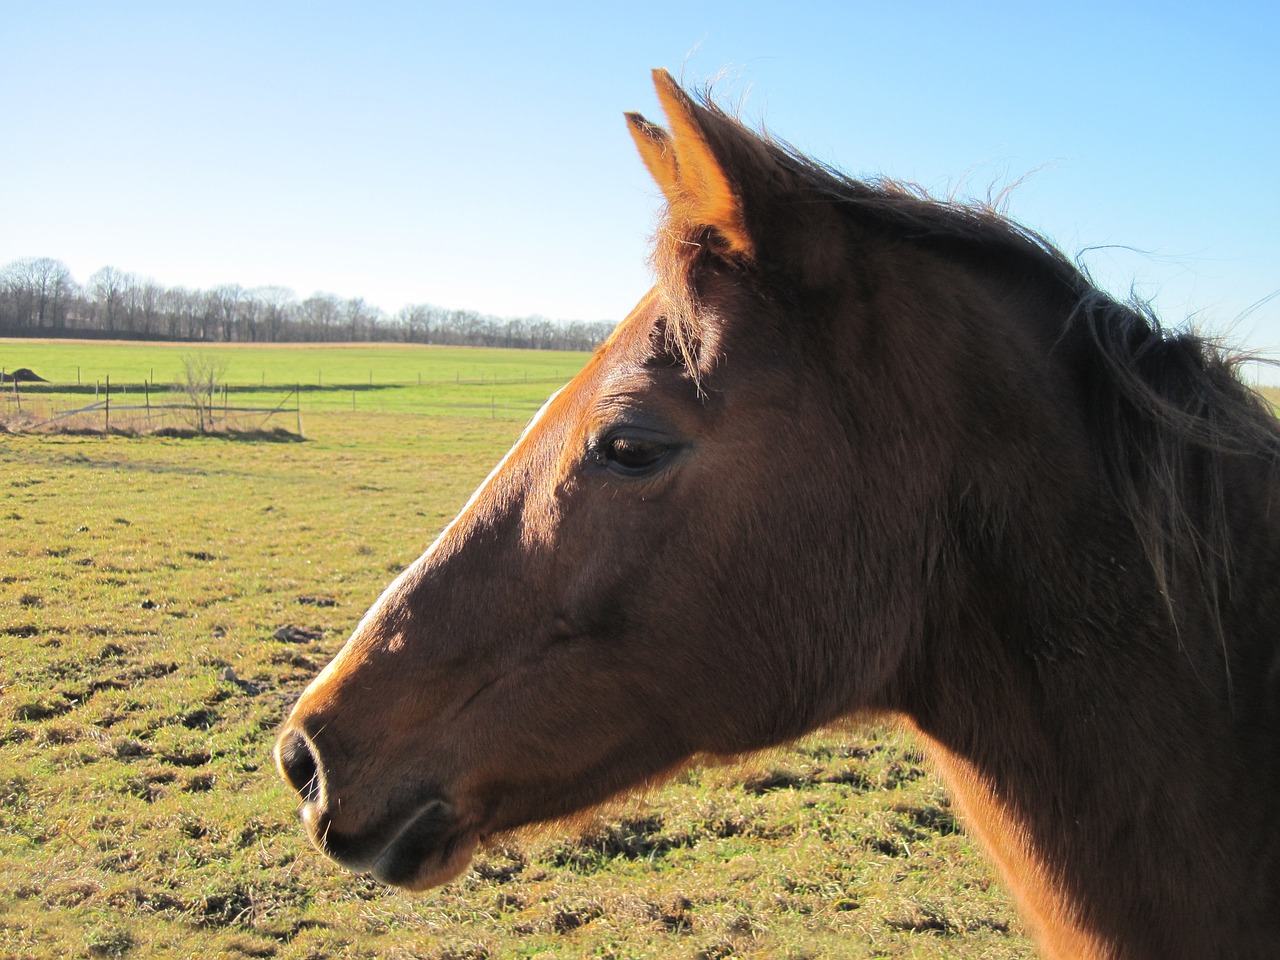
84, 361
164, 601
385, 378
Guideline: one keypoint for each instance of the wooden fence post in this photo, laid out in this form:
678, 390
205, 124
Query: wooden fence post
106, 407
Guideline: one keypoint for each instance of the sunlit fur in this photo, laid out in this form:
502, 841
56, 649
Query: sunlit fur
897, 456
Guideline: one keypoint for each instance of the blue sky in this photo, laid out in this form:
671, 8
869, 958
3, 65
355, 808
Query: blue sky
475, 155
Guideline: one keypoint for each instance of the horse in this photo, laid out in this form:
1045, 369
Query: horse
857, 452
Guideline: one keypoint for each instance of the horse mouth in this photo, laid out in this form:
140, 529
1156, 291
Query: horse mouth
427, 850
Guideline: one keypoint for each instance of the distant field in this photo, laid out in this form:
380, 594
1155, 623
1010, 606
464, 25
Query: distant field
87, 361
143, 585
383, 378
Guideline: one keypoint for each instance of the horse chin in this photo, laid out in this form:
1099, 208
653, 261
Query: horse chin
436, 869
427, 851
430, 847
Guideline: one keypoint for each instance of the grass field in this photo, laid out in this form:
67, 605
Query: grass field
320, 364
385, 378
162, 603
144, 587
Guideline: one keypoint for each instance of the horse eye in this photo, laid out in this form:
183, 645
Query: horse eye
631, 454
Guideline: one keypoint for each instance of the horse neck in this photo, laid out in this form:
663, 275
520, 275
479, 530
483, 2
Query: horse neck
1102, 756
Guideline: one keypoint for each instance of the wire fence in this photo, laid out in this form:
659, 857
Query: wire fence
147, 410
147, 407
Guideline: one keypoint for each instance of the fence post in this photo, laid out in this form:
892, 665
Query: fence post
106, 407
146, 389
297, 405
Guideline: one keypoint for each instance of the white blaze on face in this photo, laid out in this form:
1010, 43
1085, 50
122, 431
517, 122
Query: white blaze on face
393, 590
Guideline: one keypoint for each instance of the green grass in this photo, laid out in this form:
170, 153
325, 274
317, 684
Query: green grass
142, 581
86, 362
382, 378
1272, 396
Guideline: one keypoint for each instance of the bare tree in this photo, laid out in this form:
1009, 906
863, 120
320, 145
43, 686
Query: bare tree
107, 288
207, 315
178, 307
40, 294
415, 322
276, 302
319, 316
37, 290
360, 319
228, 298
149, 298
200, 375
131, 301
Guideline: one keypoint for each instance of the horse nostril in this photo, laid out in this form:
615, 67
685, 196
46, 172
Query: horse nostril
299, 765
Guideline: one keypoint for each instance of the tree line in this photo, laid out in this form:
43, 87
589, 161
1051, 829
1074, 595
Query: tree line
40, 298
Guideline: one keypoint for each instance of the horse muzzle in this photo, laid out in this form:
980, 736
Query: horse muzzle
419, 844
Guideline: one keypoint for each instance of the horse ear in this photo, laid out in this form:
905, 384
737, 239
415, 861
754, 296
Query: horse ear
657, 153
693, 164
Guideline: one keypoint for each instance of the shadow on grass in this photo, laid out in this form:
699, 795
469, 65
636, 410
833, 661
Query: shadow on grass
274, 435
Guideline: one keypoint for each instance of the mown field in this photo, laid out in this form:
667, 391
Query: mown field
361, 378
86, 361
162, 603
